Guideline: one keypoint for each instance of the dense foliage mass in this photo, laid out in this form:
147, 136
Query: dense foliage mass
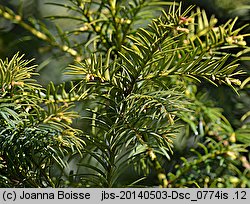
134, 107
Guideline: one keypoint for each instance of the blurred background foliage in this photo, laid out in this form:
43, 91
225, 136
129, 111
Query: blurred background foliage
15, 38
214, 103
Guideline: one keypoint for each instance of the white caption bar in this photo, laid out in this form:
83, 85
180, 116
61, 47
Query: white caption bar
124, 195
